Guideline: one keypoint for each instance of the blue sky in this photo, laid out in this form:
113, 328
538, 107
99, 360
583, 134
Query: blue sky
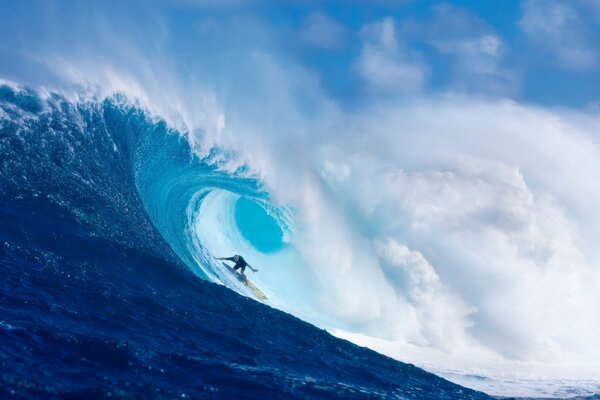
531, 51
541, 52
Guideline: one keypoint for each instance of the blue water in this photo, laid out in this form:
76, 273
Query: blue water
254, 223
105, 289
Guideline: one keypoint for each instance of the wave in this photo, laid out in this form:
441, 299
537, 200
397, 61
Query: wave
325, 250
150, 187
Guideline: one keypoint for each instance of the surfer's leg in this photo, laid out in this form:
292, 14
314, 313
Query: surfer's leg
243, 273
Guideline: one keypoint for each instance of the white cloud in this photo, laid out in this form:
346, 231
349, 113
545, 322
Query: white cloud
323, 32
557, 27
478, 64
384, 66
478, 52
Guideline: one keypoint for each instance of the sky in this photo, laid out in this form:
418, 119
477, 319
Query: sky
531, 51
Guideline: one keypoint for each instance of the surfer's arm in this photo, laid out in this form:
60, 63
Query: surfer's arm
224, 258
253, 270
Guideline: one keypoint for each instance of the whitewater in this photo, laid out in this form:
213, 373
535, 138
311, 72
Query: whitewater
451, 231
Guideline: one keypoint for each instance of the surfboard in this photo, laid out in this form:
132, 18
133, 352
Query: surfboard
256, 291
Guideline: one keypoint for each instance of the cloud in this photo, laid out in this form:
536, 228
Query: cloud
559, 29
477, 66
323, 32
477, 52
383, 64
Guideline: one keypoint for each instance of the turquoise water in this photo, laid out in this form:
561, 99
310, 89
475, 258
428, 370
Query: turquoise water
257, 226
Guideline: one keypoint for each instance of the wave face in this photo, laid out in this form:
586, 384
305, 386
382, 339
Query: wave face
129, 179
121, 174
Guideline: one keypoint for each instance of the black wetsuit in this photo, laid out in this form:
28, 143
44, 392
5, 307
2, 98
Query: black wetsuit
240, 263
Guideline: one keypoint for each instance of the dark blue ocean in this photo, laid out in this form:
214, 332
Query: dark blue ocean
97, 299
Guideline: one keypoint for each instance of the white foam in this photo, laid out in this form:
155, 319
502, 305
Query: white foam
495, 376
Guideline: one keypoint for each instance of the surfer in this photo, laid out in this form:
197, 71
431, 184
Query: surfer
240, 264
